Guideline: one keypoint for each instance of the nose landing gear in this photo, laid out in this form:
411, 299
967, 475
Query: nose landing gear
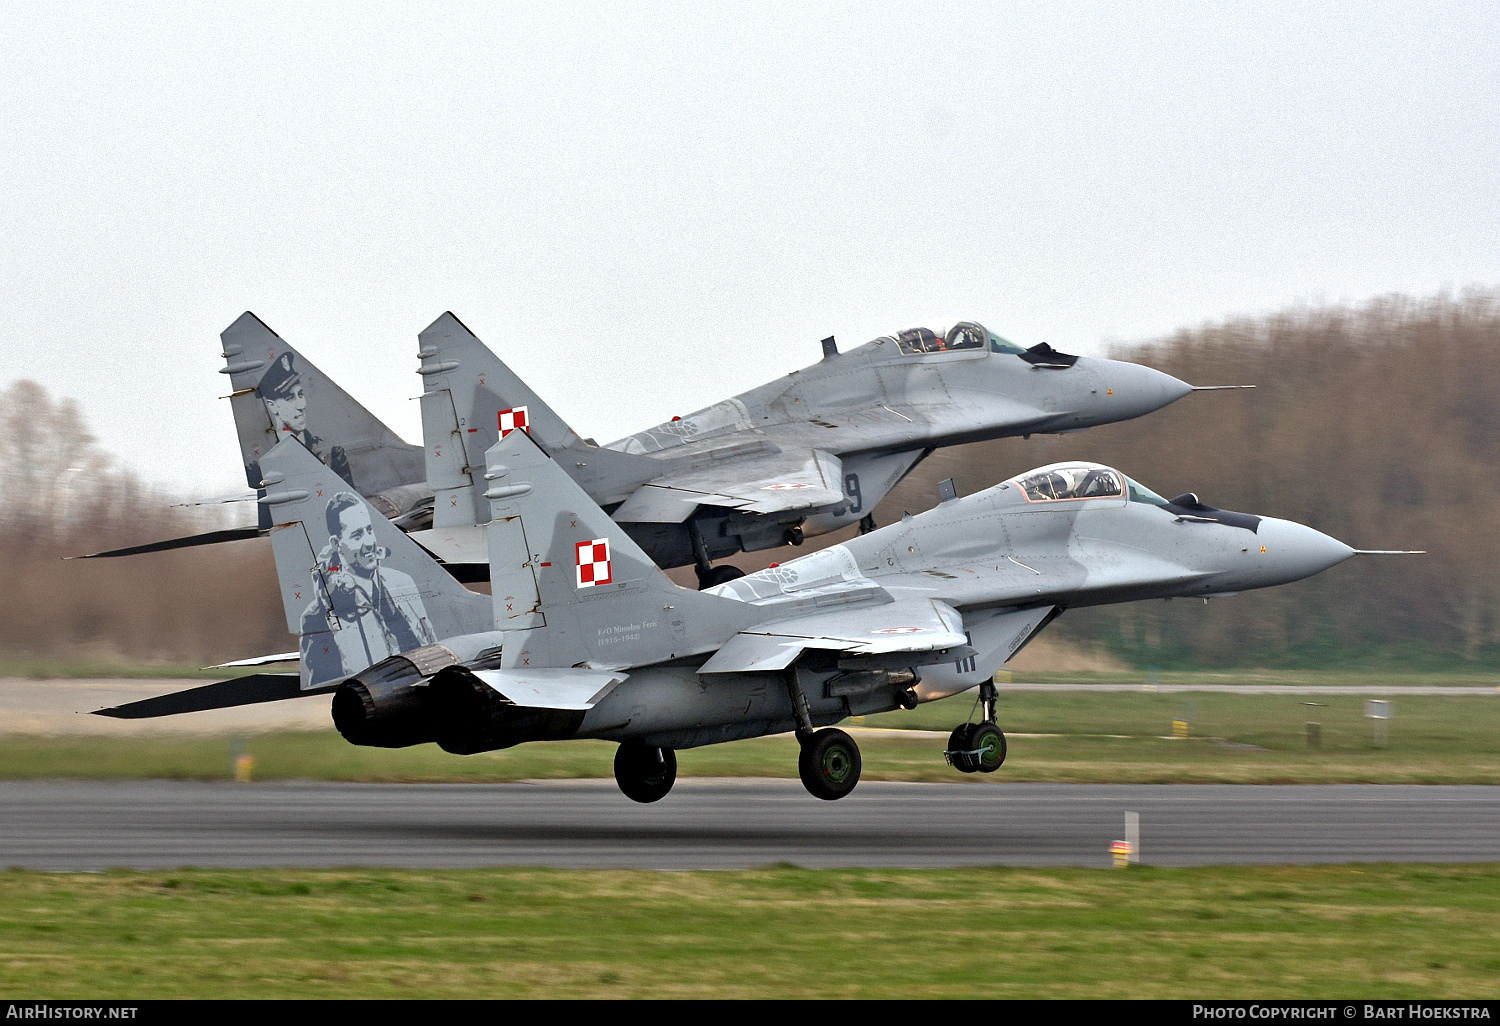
978, 747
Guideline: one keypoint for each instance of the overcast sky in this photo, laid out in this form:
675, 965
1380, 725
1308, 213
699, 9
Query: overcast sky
645, 208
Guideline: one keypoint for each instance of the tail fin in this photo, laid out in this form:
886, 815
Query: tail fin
571, 588
354, 587
470, 399
279, 394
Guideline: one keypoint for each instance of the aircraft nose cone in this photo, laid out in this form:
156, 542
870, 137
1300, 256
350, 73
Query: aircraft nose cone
1298, 551
1138, 390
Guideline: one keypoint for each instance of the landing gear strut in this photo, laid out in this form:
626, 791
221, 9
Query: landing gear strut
829, 763
645, 773
709, 576
978, 747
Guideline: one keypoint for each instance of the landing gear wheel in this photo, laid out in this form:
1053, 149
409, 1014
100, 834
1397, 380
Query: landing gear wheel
645, 773
976, 748
989, 742
719, 575
958, 750
829, 764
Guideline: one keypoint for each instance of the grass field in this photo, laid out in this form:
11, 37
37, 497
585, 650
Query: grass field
1374, 931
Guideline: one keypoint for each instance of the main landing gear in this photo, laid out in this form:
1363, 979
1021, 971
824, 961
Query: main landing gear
829, 763
978, 747
644, 772
716, 575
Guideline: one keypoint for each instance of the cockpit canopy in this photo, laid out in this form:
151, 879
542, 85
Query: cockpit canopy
1065, 481
964, 335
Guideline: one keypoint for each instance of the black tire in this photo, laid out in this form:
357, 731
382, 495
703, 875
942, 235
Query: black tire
829, 764
645, 773
719, 575
990, 742
958, 749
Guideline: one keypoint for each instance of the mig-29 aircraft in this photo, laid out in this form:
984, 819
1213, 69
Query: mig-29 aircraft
802, 455
584, 637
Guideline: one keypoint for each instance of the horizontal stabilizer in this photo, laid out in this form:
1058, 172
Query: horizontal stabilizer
265, 660
226, 694
563, 688
211, 538
218, 500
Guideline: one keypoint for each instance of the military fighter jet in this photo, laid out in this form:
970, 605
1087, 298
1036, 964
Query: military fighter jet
278, 393
584, 637
803, 455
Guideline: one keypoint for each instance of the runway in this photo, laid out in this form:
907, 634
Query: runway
730, 824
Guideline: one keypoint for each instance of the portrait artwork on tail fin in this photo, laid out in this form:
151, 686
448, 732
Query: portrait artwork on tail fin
361, 612
285, 396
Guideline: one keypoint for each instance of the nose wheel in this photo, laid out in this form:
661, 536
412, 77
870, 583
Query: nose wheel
978, 747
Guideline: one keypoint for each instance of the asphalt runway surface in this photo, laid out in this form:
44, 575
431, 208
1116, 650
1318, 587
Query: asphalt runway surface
730, 824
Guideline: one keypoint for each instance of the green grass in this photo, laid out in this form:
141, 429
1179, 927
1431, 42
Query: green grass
1085, 736
1375, 931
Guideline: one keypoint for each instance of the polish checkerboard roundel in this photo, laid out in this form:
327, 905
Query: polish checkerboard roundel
592, 560
512, 419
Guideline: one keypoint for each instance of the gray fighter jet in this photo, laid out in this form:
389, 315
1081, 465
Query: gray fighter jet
803, 455
584, 637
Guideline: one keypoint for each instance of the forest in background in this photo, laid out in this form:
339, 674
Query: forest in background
1378, 424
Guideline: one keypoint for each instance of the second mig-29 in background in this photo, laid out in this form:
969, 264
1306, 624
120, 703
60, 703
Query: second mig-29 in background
808, 453
805, 454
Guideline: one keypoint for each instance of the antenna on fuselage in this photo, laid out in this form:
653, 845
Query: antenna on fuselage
829, 349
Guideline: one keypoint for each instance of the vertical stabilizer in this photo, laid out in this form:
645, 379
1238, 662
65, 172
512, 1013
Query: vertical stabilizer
279, 394
469, 397
353, 586
571, 588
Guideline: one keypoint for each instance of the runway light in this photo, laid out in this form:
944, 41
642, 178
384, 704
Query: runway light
243, 767
1121, 852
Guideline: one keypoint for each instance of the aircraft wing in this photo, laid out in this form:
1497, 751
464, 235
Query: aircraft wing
546, 688
766, 482
907, 632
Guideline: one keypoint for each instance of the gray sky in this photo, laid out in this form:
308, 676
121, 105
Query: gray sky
645, 208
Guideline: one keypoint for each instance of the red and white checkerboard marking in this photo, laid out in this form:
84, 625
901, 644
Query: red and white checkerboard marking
512, 419
592, 558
